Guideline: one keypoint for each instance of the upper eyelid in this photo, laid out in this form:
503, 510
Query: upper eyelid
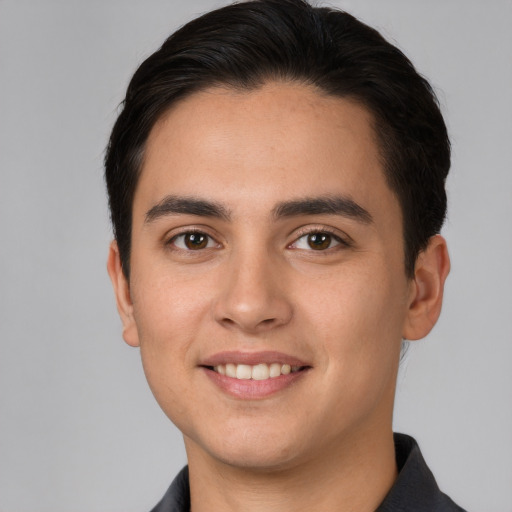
339, 241
316, 229
181, 231
308, 230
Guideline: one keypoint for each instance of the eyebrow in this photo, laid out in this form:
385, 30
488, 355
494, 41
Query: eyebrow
172, 205
331, 205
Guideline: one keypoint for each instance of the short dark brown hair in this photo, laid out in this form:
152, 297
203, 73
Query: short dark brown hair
247, 44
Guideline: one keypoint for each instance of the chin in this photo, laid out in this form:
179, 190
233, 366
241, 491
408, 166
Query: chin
257, 460
253, 449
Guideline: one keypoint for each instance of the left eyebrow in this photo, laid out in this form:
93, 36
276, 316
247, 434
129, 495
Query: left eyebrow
181, 205
330, 205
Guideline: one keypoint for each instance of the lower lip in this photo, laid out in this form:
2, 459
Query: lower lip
248, 389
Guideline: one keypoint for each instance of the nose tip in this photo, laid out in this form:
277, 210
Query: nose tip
252, 319
253, 301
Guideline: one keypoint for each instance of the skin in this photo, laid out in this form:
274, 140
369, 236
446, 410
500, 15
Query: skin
324, 442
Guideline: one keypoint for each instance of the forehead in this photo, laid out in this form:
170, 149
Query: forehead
256, 148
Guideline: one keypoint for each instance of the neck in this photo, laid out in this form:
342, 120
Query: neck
355, 474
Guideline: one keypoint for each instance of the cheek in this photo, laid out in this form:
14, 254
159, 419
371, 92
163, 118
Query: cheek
170, 315
168, 306
357, 316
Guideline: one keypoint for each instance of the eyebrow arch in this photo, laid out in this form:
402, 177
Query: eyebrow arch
330, 205
172, 205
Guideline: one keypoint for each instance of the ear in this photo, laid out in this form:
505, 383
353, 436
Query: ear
427, 286
122, 293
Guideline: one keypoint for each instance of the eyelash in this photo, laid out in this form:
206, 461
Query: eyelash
343, 242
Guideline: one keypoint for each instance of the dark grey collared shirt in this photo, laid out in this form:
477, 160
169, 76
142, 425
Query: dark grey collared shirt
415, 489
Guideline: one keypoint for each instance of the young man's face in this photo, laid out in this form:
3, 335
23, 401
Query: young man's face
264, 233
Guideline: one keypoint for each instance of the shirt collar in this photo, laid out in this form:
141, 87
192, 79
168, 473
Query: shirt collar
415, 487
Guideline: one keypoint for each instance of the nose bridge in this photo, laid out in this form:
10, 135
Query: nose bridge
253, 295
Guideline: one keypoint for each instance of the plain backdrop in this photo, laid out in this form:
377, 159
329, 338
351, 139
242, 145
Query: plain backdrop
79, 429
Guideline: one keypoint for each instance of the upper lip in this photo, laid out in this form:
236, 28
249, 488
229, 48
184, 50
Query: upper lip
252, 358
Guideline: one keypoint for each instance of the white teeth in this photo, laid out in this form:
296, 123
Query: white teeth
260, 371
230, 370
275, 370
243, 371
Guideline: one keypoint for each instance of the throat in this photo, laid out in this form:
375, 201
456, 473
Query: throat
336, 480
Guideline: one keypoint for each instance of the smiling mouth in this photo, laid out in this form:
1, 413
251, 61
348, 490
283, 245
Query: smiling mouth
260, 371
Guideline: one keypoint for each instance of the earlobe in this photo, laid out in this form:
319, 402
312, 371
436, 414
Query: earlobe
427, 286
122, 292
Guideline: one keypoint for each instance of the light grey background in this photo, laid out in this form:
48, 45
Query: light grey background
79, 429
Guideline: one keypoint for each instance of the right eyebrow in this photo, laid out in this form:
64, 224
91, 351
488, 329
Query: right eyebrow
176, 205
327, 205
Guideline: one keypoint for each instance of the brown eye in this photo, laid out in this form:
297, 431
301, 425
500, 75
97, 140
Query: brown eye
319, 241
193, 241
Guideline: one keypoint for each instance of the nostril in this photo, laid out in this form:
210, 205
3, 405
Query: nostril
259, 313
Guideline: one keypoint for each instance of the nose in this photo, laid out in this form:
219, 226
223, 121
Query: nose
252, 296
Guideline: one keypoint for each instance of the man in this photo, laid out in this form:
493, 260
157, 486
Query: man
276, 185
